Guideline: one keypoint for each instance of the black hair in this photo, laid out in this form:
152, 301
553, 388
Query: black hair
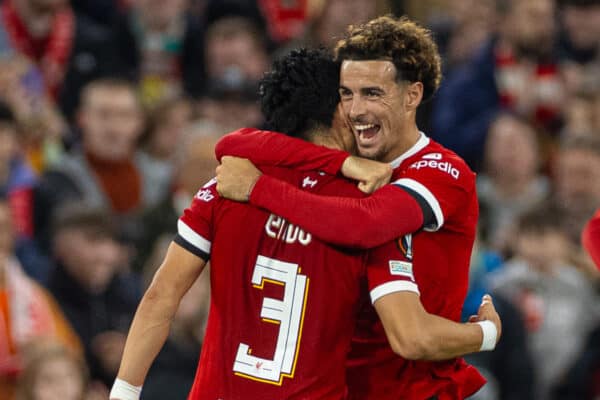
301, 92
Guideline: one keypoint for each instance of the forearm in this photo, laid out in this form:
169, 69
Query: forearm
279, 150
446, 339
147, 335
365, 222
415, 334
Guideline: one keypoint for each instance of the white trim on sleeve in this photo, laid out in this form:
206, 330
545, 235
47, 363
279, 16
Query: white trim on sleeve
429, 198
391, 287
192, 237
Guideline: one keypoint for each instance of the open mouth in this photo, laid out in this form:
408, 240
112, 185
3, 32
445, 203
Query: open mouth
366, 132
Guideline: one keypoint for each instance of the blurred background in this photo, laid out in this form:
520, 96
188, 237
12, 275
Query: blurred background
109, 112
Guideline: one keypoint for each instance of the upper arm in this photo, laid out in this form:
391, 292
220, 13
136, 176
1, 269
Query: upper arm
177, 273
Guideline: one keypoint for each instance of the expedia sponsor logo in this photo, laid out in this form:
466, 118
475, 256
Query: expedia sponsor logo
441, 165
403, 268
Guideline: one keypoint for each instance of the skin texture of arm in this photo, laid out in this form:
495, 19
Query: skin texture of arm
417, 335
366, 223
152, 320
279, 150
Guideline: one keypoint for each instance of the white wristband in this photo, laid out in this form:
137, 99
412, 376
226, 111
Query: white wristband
490, 334
123, 390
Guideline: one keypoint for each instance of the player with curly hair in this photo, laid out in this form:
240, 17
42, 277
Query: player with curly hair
389, 67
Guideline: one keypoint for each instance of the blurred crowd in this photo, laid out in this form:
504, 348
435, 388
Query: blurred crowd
109, 112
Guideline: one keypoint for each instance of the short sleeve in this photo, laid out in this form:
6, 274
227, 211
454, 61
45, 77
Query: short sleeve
390, 269
444, 182
194, 227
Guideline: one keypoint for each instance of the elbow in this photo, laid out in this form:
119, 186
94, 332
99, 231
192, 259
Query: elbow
413, 347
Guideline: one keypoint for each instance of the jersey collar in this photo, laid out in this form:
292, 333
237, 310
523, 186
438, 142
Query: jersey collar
418, 146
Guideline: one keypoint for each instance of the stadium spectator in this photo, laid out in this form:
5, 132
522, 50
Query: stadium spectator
463, 29
579, 45
90, 285
106, 170
41, 124
388, 68
165, 128
28, 313
236, 58
511, 183
558, 303
516, 71
577, 181
16, 178
161, 46
53, 373
68, 50
195, 163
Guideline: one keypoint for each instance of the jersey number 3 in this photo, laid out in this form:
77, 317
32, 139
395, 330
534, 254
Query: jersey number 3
287, 312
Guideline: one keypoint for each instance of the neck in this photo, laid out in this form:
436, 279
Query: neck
410, 137
322, 138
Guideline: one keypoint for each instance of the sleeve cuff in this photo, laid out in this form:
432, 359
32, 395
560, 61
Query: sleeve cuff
391, 287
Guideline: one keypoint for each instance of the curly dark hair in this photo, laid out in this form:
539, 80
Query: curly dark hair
300, 93
405, 43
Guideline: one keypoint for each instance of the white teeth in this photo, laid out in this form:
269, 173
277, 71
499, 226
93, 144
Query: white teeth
364, 127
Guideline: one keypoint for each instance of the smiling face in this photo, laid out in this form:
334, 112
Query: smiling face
381, 112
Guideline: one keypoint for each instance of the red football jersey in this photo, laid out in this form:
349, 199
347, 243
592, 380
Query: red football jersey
283, 304
443, 185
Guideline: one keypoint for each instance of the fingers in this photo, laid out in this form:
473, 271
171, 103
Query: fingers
486, 299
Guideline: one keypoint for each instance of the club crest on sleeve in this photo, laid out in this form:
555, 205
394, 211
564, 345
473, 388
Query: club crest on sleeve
403, 268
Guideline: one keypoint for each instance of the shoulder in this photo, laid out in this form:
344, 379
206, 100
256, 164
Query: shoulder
435, 162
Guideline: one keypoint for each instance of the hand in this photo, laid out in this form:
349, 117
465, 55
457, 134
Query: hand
487, 312
371, 174
236, 178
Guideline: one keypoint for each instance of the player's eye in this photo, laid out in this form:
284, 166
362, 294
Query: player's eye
345, 94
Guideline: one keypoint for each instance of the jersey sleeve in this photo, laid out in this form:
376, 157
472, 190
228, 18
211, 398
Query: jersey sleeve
353, 222
278, 150
194, 227
390, 268
443, 181
590, 238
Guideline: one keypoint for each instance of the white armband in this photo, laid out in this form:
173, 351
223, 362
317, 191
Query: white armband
490, 334
123, 390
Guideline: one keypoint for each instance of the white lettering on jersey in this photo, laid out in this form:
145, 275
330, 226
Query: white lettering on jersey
433, 156
442, 166
308, 182
278, 228
204, 195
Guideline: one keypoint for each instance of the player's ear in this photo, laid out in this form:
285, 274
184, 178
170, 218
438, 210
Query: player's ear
413, 95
